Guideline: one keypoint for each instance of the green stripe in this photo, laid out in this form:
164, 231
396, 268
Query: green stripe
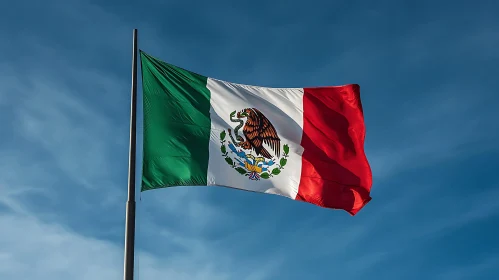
176, 125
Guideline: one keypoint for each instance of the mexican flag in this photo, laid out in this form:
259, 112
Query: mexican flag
306, 144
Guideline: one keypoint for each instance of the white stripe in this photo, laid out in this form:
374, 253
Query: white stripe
283, 107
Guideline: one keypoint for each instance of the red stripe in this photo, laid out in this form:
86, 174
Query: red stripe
335, 170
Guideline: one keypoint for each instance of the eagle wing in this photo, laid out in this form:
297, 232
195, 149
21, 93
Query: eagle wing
258, 130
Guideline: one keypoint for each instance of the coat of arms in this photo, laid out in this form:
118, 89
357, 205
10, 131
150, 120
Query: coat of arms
247, 153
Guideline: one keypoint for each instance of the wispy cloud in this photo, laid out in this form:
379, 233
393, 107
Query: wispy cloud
59, 253
69, 131
446, 125
32, 247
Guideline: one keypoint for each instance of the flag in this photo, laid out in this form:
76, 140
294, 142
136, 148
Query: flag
306, 144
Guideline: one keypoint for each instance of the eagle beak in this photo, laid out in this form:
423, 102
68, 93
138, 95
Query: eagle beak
239, 114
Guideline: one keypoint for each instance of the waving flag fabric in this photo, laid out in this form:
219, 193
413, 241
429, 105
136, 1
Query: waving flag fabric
306, 144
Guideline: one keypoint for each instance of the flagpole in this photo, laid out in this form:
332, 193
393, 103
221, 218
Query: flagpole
130, 205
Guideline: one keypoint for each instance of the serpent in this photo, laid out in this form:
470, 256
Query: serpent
236, 129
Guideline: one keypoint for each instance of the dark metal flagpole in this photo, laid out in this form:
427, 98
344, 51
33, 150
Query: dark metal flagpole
130, 205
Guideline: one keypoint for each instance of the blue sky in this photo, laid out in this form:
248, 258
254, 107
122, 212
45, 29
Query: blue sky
428, 75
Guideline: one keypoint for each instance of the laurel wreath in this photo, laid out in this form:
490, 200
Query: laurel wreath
264, 175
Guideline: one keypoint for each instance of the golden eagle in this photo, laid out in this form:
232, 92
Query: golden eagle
258, 130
